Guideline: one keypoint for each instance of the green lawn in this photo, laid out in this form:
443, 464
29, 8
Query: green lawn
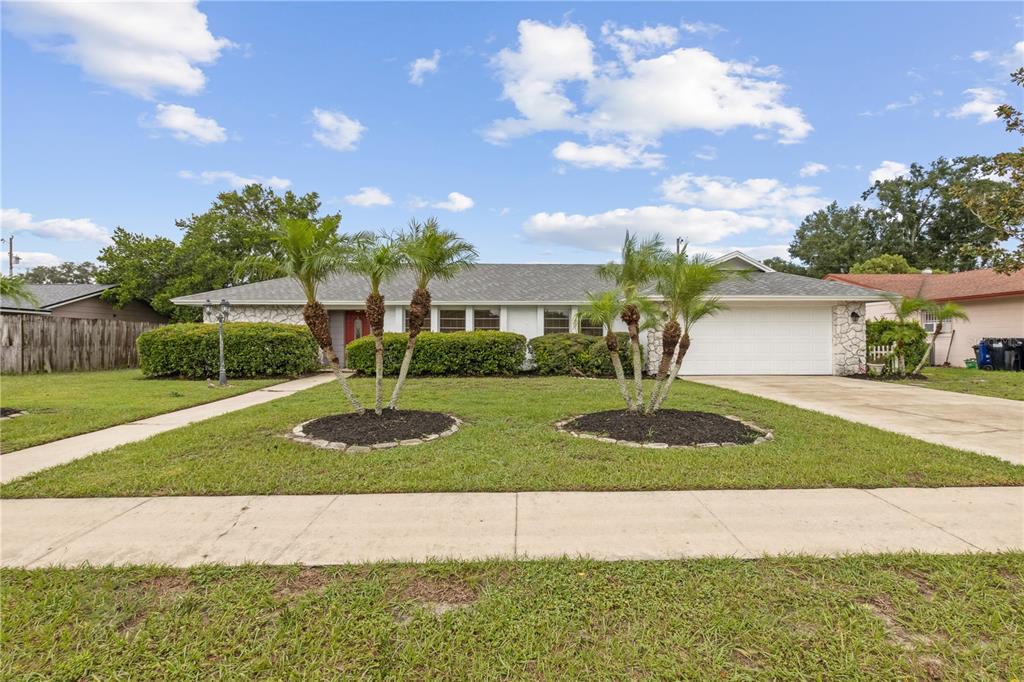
508, 443
975, 381
67, 404
896, 617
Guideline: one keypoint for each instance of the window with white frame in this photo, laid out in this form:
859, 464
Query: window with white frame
451, 320
591, 328
488, 319
556, 321
928, 321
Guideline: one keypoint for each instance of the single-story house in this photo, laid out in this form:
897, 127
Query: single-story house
776, 323
81, 301
994, 303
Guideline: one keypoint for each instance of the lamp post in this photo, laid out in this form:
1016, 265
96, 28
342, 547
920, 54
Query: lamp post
222, 315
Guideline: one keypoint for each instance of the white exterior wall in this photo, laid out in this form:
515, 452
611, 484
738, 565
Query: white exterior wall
522, 319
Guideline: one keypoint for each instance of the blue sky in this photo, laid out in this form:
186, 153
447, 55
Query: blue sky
538, 131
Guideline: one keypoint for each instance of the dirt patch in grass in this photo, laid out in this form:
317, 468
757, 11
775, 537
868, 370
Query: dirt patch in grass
165, 585
438, 595
673, 427
883, 609
370, 428
306, 580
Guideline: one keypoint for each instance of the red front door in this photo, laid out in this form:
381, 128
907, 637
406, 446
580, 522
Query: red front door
356, 325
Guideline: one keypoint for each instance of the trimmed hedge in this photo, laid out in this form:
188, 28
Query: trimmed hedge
251, 349
578, 354
913, 351
477, 353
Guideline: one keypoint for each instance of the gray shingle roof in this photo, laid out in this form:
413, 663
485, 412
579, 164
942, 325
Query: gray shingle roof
50, 295
513, 283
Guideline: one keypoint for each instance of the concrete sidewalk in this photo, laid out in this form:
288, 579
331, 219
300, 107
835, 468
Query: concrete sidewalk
989, 426
337, 529
30, 460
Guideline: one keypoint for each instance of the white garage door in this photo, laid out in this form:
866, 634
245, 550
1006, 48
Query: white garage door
754, 339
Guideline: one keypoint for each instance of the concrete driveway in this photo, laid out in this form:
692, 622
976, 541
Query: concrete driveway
990, 426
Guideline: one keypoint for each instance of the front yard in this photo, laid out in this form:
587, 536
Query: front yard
67, 404
974, 381
883, 617
508, 443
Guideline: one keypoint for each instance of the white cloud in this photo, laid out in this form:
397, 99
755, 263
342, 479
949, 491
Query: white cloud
608, 156
234, 180
185, 124
981, 102
765, 197
457, 203
31, 259
905, 103
603, 231
889, 170
706, 153
630, 42
335, 130
65, 229
812, 168
422, 66
369, 196
709, 29
981, 55
636, 100
140, 47
1015, 58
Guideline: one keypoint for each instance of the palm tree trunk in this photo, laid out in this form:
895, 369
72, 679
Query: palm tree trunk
378, 384
931, 344
638, 369
419, 310
684, 346
612, 342
670, 333
318, 322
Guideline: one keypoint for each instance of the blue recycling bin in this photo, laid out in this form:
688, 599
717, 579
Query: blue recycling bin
983, 354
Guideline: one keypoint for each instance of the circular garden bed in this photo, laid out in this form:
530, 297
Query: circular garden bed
10, 412
665, 428
353, 432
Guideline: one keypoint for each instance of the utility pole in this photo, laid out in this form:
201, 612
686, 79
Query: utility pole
10, 255
679, 244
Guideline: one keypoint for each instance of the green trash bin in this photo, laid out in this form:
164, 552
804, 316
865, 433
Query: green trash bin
971, 363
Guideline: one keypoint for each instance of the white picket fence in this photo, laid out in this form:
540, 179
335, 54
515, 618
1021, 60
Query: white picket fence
877, 354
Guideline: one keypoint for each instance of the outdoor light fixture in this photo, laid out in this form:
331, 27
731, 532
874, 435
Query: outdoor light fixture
222, 317
854, 317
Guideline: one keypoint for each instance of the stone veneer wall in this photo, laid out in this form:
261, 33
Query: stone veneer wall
285, 314
849, 339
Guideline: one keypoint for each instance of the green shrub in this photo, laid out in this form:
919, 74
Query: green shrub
576, 354
914, 351
477, 353
251, 349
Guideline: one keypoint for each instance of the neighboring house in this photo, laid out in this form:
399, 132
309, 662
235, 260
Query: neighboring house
80, 301
776, 323
994, 303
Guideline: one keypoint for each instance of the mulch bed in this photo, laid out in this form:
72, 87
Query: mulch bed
674, 427
9, 411
369, 428
888, 377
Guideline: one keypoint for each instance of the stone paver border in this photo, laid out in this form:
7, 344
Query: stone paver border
299, 436
766, 435
19, 413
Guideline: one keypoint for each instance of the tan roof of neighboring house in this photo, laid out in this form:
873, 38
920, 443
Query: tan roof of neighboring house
954, 286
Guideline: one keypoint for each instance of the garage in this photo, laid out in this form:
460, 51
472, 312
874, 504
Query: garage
762, 339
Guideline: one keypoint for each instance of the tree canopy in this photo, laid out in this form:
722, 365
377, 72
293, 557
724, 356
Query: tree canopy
886, 264
67, 272
238, 225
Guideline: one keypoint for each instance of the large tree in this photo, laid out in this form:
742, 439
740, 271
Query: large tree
832, 239
67, 272
238, 225
999, 203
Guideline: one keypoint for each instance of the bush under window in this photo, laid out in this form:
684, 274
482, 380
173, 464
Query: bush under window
577, 354
251, 349
476, 353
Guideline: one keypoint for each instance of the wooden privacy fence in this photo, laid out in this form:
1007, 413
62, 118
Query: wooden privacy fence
36, 343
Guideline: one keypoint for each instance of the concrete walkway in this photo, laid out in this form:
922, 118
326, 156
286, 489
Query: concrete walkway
30, 460
336, 529
989, 426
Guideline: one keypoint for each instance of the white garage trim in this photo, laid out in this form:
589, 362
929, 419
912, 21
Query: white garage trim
762, 339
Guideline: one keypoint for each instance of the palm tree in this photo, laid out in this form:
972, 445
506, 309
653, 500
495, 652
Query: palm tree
685, 284
15, 290
309, 251
948, 311
902, 334
602, 309
434, 254
378, 259
639, 266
